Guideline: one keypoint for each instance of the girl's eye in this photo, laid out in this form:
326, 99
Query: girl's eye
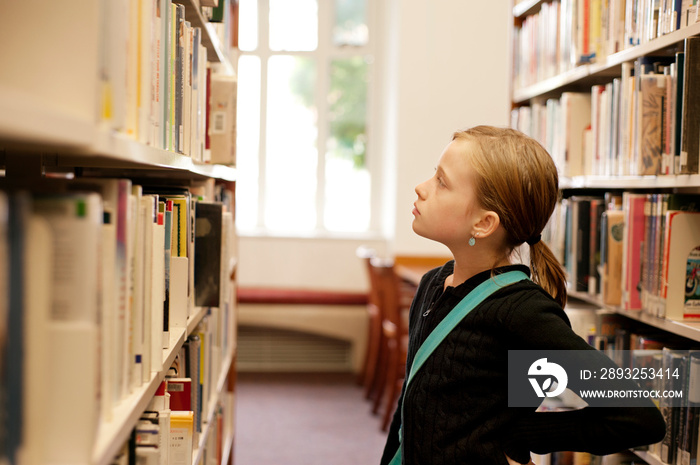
440, 182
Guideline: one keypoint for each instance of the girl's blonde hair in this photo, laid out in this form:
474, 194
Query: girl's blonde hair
517, 179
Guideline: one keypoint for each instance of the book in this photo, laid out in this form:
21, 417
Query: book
681, 293
633, 207
180, 390
160, 405
580, 222
138, 291
653, 113
143, 264
612, 269
160, 306
18, 217
207, 253
192, 371
222, 126
179, 71
115, 194
110, 386
145, 59
576, 116
690, 145
75, 221
113, 62
689, 445
181, 236
678, 111
597, 208
181, 440
38, 260
4, 314
672, 360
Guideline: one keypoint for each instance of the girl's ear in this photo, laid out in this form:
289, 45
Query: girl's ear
487, 224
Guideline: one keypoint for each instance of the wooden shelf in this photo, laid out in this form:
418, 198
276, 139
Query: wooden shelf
27, 122
85, 146
526, 7
210, 40
114, 433
689, 329
648, 457
214, 401
665, 44
111, 435
631, 182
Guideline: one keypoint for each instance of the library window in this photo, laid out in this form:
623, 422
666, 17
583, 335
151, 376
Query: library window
304, 80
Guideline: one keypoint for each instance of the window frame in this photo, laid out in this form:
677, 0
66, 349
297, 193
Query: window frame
325, 53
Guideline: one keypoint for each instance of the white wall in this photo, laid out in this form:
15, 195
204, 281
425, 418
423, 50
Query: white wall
298, 263
453, 73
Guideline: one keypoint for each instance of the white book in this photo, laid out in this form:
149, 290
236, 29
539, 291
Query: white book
156, 77
682, 255
161, 404
152, 360
179, 275
75, 221
132, 70
68, 54
158, 286
145, 59
181, 437
73, 373
115, 197
138, 290
76, 227
108, 348
38, 259
114, 17
576, 114
187, 88
222, 128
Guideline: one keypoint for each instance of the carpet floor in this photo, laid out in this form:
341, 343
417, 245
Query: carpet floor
304, 419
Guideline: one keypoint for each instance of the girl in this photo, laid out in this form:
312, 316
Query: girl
493, 190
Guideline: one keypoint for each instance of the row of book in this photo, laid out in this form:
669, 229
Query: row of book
103, 276
159, 89
636, 346
170, 430
643, 123
564, 34
636, 251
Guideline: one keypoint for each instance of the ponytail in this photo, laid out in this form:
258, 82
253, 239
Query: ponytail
547, 272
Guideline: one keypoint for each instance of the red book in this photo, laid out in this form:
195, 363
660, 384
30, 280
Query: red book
633, 205
180, 390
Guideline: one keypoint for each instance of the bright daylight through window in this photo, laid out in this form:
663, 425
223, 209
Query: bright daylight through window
303, 90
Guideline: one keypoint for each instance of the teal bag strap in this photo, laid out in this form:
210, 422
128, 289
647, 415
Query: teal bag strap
457, 314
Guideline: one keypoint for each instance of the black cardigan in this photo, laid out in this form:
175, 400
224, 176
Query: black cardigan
456, 409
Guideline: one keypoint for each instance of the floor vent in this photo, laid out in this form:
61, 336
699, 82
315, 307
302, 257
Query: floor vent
273, 349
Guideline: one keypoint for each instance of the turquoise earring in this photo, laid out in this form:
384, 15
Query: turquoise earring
472, 241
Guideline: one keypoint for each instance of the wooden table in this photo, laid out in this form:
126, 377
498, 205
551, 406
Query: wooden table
411, 268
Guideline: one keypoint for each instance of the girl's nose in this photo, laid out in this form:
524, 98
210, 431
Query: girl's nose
420, 190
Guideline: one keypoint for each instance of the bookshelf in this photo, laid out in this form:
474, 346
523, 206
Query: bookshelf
597, 55
71, 128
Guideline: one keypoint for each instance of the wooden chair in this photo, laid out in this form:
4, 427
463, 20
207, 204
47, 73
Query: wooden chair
396, 298
368, 372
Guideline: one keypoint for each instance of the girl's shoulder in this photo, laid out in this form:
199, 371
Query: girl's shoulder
526, 300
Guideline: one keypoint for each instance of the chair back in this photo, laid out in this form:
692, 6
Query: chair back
389, 291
